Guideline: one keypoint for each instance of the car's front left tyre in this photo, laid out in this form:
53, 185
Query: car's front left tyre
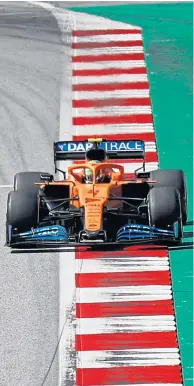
173, 178
164, 208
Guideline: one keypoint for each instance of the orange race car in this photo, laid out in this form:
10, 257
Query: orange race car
95, 203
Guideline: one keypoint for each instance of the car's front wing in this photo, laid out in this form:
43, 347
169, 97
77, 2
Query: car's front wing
56, 235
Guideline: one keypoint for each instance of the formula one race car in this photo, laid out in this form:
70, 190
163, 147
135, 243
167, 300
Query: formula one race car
95, 203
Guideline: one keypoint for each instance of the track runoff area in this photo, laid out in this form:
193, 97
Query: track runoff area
126, 327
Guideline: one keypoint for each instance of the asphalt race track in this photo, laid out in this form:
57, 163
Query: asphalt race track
30, 76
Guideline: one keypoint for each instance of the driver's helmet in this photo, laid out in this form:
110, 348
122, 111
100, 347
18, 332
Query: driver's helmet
88, 174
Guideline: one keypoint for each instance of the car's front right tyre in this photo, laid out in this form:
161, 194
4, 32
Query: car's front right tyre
22, 210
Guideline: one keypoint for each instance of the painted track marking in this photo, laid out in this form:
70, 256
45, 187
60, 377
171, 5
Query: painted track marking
123, 302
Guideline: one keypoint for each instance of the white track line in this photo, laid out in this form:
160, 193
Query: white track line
114, 128
150, 146
88, 296
109, 38
119, 78
110, 64
124, 268
108, 50
92, 95
104, 363
111, 111
125, 324
6, 186
107, 359
126, 293
142, 351
66, 259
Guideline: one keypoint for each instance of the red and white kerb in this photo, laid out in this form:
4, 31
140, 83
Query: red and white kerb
126, 330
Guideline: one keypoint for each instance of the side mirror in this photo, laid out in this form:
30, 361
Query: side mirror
143, 175
61, 171
46, 177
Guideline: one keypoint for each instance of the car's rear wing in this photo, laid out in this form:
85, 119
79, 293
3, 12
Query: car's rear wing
114, 149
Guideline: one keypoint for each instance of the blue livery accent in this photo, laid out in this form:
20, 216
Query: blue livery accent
47, 233
143, 232
109, 146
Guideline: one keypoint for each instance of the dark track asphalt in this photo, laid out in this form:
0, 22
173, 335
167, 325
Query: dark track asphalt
30, 76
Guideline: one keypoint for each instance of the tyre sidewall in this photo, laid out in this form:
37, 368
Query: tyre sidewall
22, 210
25, 181
173, 178
164, 206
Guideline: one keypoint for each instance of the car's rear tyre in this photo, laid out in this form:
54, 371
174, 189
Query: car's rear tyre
24, 181
164, 206
173, 178
22, 210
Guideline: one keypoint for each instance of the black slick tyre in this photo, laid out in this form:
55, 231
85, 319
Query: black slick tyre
173, 178
164, 207
24, 181
22, 210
